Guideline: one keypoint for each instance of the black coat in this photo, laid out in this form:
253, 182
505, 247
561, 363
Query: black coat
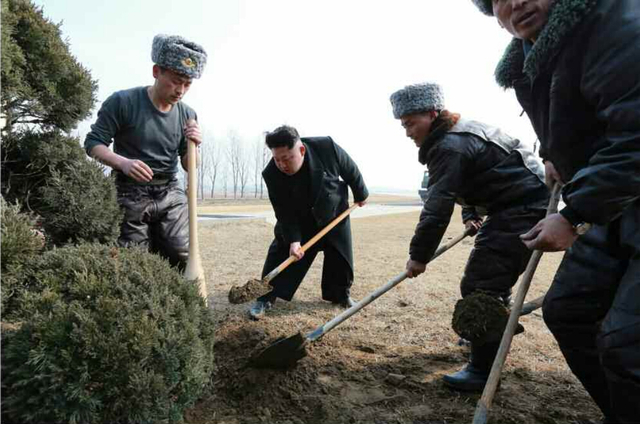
480, 168
581, 90
331, 171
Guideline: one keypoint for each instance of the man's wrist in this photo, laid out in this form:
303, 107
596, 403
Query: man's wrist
580, 226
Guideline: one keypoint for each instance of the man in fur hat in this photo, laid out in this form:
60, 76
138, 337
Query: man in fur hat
307, 181
488, 173
575, 68
149, 127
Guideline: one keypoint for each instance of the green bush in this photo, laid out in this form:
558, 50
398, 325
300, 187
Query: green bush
20, 242
107, 335
50, 173
79, 204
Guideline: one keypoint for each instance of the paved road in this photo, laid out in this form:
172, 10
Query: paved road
269, 216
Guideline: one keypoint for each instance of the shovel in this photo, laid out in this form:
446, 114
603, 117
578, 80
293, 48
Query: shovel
481, 414
256, 288
287, 351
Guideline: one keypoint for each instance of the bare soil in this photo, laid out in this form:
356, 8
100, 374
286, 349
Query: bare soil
384, 364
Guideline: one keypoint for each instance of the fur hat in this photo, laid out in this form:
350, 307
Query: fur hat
417, 98
179, 55
485, 6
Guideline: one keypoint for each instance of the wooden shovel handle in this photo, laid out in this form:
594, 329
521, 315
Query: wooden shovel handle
482, 408
322, 330
291, 259
194, 269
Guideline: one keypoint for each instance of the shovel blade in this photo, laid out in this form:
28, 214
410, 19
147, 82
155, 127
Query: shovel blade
283, 353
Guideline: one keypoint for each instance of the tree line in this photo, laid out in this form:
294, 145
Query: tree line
231, 167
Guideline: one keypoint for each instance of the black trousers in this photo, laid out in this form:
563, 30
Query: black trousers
156, 217
337, 275
499, 256
593, 310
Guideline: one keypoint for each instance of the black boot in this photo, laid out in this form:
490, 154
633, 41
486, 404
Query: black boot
474, 375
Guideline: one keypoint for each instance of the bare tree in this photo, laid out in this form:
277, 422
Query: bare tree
257, 167
215, 162
210, 159
225, 179
244, 168
234, 156
204, 165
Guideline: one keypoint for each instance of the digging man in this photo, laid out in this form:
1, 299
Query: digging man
307, 181
488, 173
575, 68
149, 127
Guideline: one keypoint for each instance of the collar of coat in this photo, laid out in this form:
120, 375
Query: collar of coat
564, 16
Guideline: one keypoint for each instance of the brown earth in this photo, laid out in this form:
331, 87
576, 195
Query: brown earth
384, 364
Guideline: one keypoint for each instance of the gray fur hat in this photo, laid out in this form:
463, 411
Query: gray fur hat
485, 6
179, 55
417, 98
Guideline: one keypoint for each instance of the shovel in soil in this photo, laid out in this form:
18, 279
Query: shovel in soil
481, 414
256, 288
285, 352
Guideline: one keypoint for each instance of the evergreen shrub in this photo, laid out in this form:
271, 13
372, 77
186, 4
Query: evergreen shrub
106, 335
51, 174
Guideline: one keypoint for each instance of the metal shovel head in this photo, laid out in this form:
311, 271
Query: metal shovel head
283, 353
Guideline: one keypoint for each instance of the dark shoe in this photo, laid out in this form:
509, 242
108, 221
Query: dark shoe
464, 342
259, 308
345, 303
468, 379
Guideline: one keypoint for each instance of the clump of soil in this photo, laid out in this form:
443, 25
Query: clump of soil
480, 318
252, 289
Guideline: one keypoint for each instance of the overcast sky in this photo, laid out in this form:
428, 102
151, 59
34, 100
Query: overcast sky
325, 67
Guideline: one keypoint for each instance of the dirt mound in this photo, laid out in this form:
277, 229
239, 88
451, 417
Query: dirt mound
249, 291
385, 364
344, 382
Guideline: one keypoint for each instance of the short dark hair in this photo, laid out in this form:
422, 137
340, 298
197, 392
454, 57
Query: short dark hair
283, 136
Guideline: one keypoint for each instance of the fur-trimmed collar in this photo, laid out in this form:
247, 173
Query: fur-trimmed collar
564, 16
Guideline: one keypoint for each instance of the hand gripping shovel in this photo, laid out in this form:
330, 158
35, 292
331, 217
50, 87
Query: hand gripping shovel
482, 408
287, 351
256, 288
